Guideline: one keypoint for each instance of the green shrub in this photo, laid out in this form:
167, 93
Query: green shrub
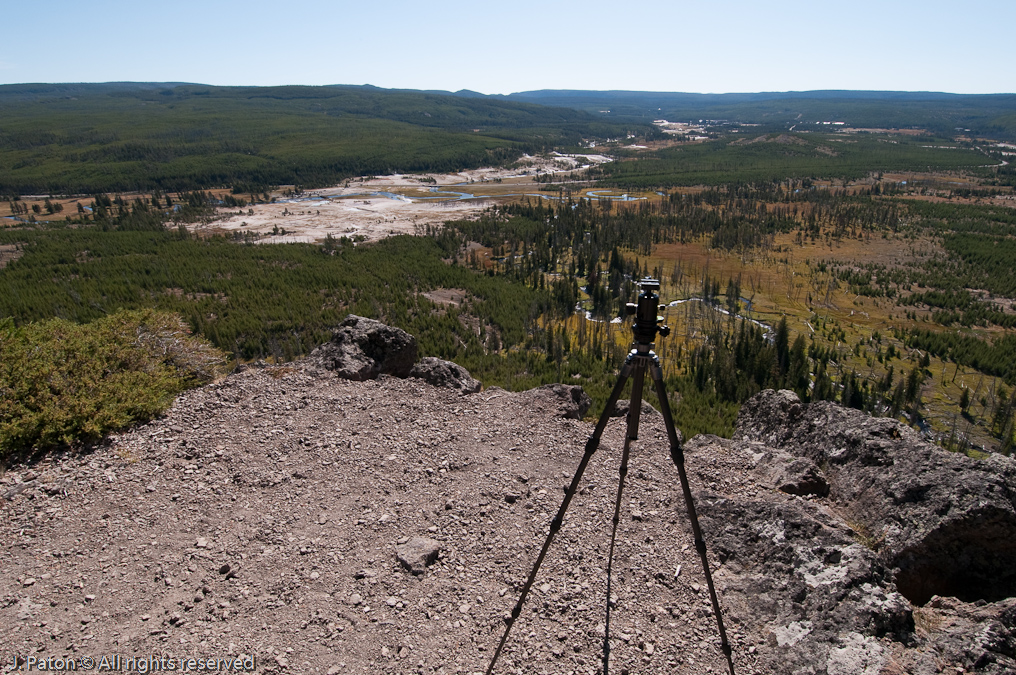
63, 383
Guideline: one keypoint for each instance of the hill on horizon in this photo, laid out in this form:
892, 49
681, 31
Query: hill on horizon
82, 138
938, 112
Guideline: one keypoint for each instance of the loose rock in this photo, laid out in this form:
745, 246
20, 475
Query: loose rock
416, 554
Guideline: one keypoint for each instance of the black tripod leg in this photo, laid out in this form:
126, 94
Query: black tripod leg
591, 445
677, 454
632, 434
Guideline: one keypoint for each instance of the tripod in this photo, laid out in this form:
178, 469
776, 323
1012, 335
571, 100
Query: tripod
640, 359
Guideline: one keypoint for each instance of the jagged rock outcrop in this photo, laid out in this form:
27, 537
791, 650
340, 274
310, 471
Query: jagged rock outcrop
903, 520
362, 349
795, 568
947, 522
799, 570
441, 373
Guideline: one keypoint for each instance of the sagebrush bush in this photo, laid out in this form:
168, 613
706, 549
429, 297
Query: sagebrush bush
63, 383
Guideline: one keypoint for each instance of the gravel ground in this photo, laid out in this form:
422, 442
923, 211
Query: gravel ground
262, 514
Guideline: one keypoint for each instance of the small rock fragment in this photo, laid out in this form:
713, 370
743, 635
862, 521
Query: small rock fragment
417, 553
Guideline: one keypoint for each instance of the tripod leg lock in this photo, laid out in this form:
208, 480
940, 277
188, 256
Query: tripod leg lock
555, 525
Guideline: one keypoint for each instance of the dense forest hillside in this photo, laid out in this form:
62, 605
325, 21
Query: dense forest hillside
775, 157
70, 139
990, 114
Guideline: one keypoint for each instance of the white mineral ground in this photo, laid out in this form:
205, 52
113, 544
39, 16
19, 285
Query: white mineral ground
349, 210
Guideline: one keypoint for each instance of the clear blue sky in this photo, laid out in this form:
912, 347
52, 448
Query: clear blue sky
517, 45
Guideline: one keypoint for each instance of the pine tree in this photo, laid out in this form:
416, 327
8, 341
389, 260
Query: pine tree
782, 344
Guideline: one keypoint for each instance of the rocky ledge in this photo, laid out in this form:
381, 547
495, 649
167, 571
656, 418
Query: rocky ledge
892, 555
323, 524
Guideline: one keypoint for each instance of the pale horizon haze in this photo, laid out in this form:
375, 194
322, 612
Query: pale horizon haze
500, 48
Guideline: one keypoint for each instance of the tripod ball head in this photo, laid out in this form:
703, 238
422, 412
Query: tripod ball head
647, 322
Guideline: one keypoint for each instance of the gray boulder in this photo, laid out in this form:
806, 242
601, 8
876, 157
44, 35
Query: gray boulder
623, 405
562, 400
363, 349
442, 373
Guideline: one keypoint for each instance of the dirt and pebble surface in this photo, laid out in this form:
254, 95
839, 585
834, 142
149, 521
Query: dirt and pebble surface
266, 516
263, 514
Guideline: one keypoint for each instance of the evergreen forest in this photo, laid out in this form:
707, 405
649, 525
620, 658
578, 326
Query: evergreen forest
869, 269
